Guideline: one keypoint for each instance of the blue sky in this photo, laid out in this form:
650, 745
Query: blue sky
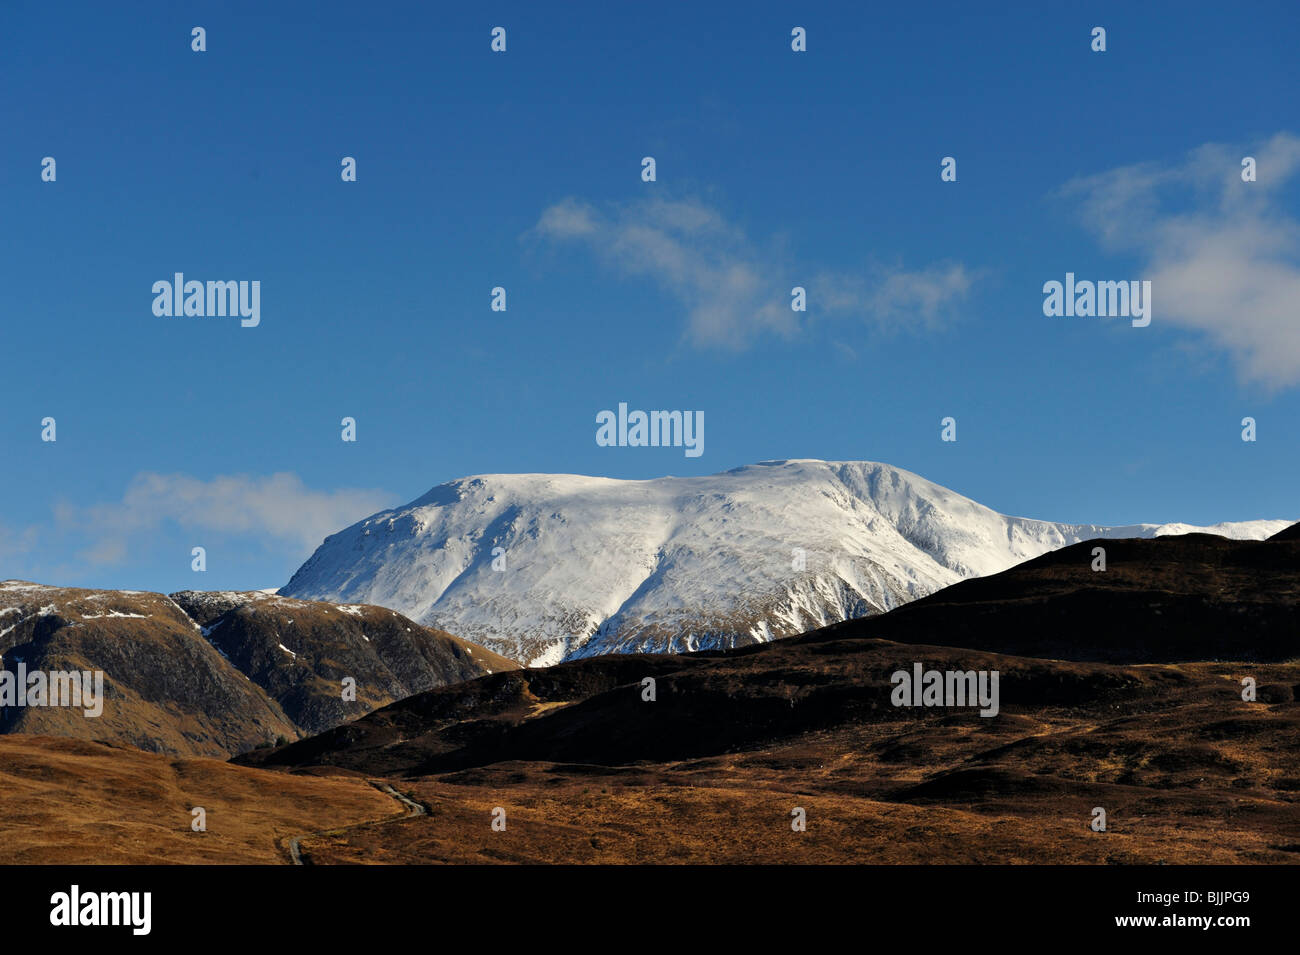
523, 170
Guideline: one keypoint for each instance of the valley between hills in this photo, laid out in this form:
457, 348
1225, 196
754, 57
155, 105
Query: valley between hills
1163, 691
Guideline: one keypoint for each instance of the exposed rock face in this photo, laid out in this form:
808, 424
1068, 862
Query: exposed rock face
301, 652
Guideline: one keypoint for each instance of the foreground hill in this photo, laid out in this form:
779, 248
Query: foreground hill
546, 567
1185, 770
589, 770
258, 669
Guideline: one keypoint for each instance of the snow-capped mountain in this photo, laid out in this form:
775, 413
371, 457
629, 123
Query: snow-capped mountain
546, 567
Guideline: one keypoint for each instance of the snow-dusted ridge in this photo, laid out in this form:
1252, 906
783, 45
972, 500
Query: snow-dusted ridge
597, 565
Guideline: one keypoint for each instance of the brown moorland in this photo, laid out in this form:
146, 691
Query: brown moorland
1185, 769
74, 802
1147, 721
587, 770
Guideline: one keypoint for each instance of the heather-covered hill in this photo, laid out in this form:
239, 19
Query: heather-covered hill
166, 688
1167, 600
301, 651
258, 669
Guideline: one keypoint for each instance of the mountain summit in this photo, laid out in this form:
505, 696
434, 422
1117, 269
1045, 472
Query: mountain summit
547, 567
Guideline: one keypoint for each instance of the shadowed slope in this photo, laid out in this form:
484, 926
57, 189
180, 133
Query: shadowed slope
588, 770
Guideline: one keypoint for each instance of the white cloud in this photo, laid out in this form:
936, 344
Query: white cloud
732, 288
278, 508
896, 297
1222, 255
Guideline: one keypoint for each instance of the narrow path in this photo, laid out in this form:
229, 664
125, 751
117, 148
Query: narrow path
413, 808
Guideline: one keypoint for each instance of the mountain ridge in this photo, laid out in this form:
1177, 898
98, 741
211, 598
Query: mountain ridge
547, 567
211, 674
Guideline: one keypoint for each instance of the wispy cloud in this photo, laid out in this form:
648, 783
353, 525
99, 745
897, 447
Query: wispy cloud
17, 543
1222, 255
735, 289
277, 508
895, 297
